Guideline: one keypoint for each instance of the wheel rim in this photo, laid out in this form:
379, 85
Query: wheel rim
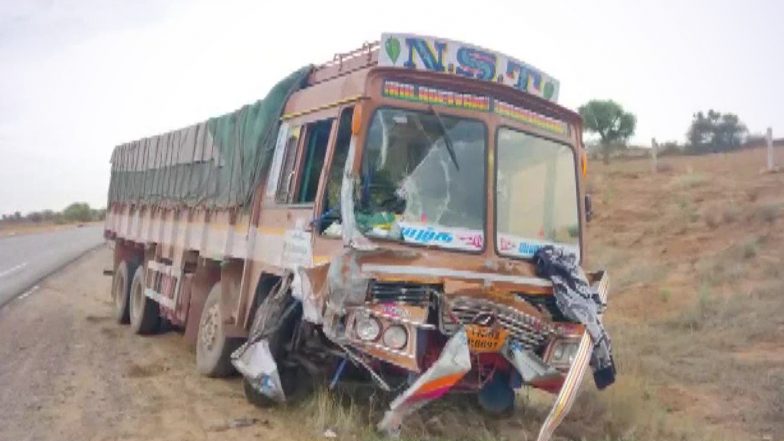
118, 290
137, 300
209, 329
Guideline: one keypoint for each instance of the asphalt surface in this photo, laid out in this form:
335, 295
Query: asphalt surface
27, 258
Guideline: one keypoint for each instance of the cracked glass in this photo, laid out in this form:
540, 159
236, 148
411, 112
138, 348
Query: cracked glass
423, 179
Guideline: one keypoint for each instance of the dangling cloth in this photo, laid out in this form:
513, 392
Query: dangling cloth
578, 301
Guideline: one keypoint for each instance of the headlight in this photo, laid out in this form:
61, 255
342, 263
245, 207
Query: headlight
564, 351
558, 352
395, 337
367, 328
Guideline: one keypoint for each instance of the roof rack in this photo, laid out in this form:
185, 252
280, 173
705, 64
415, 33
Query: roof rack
343, 63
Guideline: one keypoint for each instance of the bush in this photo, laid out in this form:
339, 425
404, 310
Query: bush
78, 212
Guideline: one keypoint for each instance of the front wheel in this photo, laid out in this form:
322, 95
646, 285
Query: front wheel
297, 383
213, 348
497, 398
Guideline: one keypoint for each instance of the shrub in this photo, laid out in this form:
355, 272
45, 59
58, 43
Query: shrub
731, 214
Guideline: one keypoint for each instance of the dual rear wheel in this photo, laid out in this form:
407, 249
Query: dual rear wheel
213, 347
131, 305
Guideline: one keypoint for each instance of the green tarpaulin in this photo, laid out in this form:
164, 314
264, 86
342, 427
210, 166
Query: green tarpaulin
216, 163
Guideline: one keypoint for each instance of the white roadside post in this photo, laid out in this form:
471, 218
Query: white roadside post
654, 156
769, 139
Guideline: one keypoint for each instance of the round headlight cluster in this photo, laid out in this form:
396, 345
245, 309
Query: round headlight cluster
367, 328
395, 337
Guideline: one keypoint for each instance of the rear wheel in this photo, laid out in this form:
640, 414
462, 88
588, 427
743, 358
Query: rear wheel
213, 348
144, 314
121, 289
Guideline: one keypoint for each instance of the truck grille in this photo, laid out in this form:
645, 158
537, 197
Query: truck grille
529, 331
411, 293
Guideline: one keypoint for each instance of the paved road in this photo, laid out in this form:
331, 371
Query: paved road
27, 258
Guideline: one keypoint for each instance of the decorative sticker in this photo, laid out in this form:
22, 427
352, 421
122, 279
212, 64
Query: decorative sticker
455, 58
430, 95
531, 118
456, 238
524, 247
297, 249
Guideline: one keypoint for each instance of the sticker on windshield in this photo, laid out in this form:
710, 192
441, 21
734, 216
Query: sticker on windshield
454, 238
523, 247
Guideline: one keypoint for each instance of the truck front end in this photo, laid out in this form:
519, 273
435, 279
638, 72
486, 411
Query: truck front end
461, 167
452, 186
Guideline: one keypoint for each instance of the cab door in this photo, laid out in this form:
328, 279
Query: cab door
285, 226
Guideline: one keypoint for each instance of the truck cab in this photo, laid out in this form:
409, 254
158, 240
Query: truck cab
422, 175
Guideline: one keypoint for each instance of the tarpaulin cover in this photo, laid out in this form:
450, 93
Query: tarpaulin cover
216, 163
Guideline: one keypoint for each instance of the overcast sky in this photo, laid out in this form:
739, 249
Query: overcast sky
78, 77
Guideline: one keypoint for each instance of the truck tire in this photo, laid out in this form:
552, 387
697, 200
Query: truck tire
296, 382
143, 311
497, 398
121, 291
213, 348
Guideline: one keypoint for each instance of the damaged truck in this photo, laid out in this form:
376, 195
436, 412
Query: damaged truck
411, 213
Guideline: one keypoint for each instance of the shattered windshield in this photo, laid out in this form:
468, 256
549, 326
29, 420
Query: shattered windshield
423, 179
536, 194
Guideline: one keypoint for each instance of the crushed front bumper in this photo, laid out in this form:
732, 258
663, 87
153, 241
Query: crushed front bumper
455, 361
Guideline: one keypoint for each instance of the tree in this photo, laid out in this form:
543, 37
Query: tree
34, 216
608, 119
77, 212
715, 132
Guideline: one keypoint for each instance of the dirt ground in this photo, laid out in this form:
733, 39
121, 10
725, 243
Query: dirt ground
695, 253
69, 372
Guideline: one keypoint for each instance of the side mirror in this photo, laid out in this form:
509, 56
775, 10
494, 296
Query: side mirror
588, 208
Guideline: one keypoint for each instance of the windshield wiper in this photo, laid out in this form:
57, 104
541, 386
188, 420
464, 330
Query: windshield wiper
447, 140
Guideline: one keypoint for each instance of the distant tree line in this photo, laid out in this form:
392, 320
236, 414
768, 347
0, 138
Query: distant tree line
76, 212
709, 132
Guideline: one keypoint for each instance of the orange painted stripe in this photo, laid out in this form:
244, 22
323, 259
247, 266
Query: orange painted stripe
439, 383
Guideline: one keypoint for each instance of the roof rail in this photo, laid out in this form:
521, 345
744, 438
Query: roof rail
343, 63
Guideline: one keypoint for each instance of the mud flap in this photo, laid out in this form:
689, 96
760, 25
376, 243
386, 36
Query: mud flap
453, 363
256, 364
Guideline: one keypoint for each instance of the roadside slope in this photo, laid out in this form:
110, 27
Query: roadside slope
695, 256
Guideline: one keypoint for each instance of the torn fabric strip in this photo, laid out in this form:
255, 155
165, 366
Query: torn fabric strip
578, 301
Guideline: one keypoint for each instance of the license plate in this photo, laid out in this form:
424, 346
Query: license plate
483, 339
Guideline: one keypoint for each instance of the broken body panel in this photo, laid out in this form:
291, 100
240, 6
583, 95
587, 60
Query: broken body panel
414, 263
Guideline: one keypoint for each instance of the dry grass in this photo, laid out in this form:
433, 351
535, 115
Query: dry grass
731, 214
664, 167
687, 181
712, 329
766, 213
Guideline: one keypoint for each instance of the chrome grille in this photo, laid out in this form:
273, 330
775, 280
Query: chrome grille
530, 331
412, 293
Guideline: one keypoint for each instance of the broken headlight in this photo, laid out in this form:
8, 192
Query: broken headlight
395, 337
562, 351
367, 328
